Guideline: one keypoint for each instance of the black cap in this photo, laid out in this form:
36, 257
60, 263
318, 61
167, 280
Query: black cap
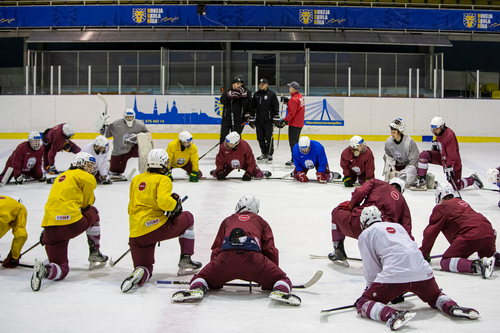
263, 81
239, 78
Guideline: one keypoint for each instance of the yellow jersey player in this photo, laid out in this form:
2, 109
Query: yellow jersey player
69, 213
13, 216
183, 154
155, 214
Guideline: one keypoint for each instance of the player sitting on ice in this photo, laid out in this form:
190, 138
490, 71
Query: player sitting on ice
345, 217
467, 232
243, 249
69, 213
56, 139
445, 152
237, 154
392, 266
401, 154
25, 161
357, 162
183, 153
124, 132
99, 149
493, 175
310, 154
155, 215
13, 216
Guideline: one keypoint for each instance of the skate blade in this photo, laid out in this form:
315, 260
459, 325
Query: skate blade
289, 299
400, 323
471, 314
342, 263
187, 271
96, 265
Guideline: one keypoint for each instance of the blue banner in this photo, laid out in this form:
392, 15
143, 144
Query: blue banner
249, 16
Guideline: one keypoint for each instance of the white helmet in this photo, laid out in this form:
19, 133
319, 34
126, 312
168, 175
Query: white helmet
157, 159
437, 122
35, 140
397, 124
81, 159
492, 175
370, 215
442, 191
248, 203
356, 141
399, 182
304, 144
233, 138
68, 130
101, 142
17, 199
129, 113
185, 137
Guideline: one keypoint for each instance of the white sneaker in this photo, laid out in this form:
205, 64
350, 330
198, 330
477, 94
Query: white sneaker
399, 318
192, 294
133, 280
287, 298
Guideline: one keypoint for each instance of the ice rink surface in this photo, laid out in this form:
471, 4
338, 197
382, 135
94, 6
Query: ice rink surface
299, 214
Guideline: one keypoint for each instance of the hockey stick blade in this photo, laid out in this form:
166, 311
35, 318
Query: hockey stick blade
314, 256
21, 265
353, 305
113, 263
490, 189
311, 282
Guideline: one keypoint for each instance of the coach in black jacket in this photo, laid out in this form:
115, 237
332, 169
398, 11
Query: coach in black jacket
236, 104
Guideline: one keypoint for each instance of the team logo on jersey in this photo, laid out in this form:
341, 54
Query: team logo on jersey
244, 217
218, 107
138, 15
62, 217
469, 20
181, 161
309, 164
357, 170
463, 203
395, 195
153, 222
390, 230
31, 162
142, 186
305, 16
63, 177
235, 164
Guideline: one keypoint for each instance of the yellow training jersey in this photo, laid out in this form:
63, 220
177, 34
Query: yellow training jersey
13, 216
71, 192
150, 198
179, 158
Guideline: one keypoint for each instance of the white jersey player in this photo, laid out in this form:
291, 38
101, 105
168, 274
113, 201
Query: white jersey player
401, 154
100, 150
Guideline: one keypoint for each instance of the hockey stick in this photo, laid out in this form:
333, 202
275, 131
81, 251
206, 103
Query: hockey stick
127, 178
105, 108
21, 265
6, 176
209, 151
31, 248
113, 263
354, 305
279, 128
306, 285
314, 256
490, 189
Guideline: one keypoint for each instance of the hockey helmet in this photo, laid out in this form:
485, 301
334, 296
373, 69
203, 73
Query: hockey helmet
248, 203
35, 140
68, 130
101, 144
232, 139
397, 124
157, 159
370, 215
437, 122
186, 139
356, 141
129, 117
84, 161
398, 181
443, 190
304, 144
17, 199
492, 175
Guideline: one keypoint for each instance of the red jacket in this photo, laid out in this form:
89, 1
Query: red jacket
456, 220
365, 162
25, 160
239, 158
254, 226
296, 110
448, 147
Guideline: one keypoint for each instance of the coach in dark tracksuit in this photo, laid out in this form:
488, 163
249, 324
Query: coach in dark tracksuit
236, 109
264, 111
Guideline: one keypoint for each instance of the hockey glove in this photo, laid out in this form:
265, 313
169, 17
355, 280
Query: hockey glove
106, 180
347, 181
220, 175
10, 262
282, 123
67, 146
41, 238
450, 174
276, 121
247, 176
193, 176
20, 179
399, 299
434, 145
169, 175
321, 177
52, 170
284, 100
178, 207
345, 205
302, 177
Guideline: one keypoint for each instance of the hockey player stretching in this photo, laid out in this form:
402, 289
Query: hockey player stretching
393, 265
69, 213
56, 139
467, 232
243, 249
357, 162
155, 215
183, 153
307, 155
13, 216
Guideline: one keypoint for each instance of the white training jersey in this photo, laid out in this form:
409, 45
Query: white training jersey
404, 153
101, 160
390, 256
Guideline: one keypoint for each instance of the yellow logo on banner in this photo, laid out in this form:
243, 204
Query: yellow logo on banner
470, 20
138, 15
218, 107
305, 16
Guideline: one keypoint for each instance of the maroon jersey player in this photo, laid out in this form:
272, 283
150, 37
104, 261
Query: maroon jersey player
26, 160
467, 232
357, 162
57, 139
236, 154
243, 249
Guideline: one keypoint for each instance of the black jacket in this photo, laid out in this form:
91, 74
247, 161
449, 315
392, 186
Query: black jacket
238, 108
265, 106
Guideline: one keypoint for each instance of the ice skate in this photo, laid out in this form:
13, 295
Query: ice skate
334, 176
477, 182
267, 174
187, 266
116, 176
484, 266
262, 158
96, 258
192, 294
420, 184
399, 318
133, 280
338, 256
289, 164
288, 298
39, 273
457, 311
269, 158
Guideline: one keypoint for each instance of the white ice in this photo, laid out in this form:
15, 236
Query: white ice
299, 214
